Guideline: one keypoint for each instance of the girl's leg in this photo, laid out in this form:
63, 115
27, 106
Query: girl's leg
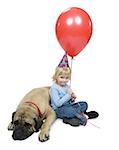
81, 108
84, 106
90, 114
66, 111
73, 111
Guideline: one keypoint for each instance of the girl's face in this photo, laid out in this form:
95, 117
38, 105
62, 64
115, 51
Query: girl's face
62, 80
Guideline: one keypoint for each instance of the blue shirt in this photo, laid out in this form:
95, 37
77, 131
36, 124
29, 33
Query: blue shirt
59, 95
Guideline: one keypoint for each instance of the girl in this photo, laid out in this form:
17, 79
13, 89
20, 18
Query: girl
63, 98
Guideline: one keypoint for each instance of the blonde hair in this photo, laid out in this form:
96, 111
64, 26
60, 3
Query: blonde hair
62, 71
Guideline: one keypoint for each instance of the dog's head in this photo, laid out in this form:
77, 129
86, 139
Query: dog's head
25, 124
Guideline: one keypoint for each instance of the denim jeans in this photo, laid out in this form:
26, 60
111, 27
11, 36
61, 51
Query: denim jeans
70, 110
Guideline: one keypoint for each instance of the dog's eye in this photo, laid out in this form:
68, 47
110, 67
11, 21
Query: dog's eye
16, 122
27, 124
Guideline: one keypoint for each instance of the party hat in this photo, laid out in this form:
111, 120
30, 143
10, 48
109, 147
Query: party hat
64, 62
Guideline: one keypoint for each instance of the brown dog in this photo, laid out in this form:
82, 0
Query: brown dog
33, 113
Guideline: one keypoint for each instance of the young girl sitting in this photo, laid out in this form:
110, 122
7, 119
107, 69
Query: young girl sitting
63, 98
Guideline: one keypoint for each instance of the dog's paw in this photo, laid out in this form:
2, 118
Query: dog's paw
10, 126
44, 136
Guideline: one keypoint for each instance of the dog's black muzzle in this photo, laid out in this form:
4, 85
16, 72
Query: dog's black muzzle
21, 132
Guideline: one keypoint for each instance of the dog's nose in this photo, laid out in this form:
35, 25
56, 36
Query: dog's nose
14, 137
18, 135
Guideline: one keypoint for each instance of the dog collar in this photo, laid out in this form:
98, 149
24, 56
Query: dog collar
38, 110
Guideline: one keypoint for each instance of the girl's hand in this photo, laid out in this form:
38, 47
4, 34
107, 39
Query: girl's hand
73, 96
70, 91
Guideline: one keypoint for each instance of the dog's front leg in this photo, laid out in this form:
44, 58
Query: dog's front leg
50, 118
11, 125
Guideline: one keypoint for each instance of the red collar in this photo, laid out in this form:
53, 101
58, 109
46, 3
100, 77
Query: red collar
38, 110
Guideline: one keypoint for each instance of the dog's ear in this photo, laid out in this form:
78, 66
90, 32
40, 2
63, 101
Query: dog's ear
38, 124
13, 116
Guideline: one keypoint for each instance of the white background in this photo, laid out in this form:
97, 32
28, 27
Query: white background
29, 53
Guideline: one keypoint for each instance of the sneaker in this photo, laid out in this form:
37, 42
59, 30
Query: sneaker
72, 121
91, 114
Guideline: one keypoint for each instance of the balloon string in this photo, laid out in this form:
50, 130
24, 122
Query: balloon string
70, 86
71, 71
94, 125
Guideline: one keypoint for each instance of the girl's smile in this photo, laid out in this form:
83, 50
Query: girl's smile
62, 80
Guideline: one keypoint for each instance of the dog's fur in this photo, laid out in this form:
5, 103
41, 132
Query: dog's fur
27, 119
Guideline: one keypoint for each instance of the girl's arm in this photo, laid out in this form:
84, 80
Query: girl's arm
55, 98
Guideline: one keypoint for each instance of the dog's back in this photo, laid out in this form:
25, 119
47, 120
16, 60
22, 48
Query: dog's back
39, 96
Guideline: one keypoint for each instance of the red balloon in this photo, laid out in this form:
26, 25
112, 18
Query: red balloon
73, 30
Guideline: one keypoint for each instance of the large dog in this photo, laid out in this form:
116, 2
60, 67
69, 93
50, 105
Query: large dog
33, 113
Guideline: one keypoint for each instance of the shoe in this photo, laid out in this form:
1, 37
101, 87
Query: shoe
91, 114
72, 121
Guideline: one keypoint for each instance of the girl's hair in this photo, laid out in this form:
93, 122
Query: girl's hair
62, 71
